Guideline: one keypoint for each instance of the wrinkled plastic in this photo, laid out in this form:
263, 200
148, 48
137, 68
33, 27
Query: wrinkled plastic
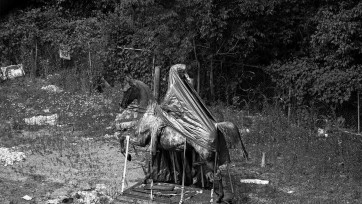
184, 110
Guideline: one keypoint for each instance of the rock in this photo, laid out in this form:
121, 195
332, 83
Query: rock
85, 186
101, 187
60, 193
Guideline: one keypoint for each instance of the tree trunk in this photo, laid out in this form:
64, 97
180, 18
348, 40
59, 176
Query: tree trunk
358, 113
198, 68
35, 60
89, 78
212, 91
156, 86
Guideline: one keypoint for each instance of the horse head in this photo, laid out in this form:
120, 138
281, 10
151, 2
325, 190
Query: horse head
131, 92
135, 89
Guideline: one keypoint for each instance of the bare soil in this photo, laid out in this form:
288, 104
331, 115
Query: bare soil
55, 172
74, 155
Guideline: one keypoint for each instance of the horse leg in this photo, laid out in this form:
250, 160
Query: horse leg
214, 175
138, 141
218, 178
122, 146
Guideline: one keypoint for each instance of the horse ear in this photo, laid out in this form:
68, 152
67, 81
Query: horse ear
130, 81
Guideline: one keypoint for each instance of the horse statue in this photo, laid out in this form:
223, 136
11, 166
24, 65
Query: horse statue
158, 127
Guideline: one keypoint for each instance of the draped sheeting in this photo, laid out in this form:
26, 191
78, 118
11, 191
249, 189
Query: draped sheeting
183, 109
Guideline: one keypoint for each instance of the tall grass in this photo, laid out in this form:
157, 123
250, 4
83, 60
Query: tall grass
296, 156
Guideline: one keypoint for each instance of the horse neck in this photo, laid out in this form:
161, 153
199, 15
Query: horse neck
145, 97
143, 103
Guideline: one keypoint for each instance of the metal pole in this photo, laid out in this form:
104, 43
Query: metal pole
125, 164
150, 170
183, 175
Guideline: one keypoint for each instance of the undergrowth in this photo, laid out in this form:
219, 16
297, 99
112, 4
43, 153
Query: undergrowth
297, 156
294, 154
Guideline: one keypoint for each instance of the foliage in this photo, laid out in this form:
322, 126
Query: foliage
311, 48
330, 70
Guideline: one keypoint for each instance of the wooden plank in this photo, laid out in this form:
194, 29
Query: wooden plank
137, 194
159, 187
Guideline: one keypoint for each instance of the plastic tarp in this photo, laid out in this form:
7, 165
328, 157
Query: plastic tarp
184, 110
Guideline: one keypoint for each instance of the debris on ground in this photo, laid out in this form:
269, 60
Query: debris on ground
52, 89
85, 196
9, 156
110, 136
42, 120
26, 197
12, 72
255, 181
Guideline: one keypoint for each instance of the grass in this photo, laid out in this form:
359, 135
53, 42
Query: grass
73, 152
301, 168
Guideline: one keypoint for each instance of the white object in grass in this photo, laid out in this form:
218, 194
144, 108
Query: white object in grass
9, 157
244, 130
42, 120
26, 197
322, 132
255, 181
52, 89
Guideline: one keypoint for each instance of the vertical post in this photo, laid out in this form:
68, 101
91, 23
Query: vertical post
262, 164
290, 104
156, 83
202, 176
150, 170
212, 91
125, 164
198, 78
359, 118
153, 71
173, 156
198, 68
36, 58
90, 65
183, 174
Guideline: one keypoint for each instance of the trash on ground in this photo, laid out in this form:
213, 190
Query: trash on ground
9, 156
52, 88
244, 130
255, 181
42, 120
91, 195
26, 197
110, 136
12, 72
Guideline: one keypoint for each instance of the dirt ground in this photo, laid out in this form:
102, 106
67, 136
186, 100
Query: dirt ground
80, 163
56, 173
76, 156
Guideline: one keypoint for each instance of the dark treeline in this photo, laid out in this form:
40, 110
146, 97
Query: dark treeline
240, 52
